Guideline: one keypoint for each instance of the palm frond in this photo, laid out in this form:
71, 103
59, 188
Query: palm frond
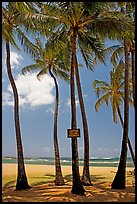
22, 7
113, 25
27, 44
100, 83
101, 87
96, 7
114, 109
41, 74
117, 55
30, 68
91, 48
102, 99
61, 73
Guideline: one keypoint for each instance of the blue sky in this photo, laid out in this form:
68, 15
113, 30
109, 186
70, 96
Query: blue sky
37, 107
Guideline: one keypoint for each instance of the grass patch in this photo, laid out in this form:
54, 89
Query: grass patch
8, 181
32, 180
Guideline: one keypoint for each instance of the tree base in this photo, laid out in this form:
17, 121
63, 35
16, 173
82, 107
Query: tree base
59, 183
23, 187
78, 190
119, 180
117, 186
22, 184
86, 181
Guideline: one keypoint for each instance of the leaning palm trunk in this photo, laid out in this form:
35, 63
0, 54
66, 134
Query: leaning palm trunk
77, 187
22, 182
86, 174
129, 143
58, 176
119, 180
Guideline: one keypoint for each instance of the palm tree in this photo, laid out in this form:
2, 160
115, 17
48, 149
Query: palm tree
51, 60
117, 52
80, 25
9, 25
77, 187
119, 180
114, 93
78, 20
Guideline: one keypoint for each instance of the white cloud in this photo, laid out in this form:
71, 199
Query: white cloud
50, 110
31, 91
68, 103
7, 99
15, 59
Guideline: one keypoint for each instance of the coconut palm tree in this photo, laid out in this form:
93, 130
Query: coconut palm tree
114, 93
119, 180
10, 26
50, 59
117, 52
80, 26
76, 19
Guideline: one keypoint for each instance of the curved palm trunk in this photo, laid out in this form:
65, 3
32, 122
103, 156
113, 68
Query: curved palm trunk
22, 182
119, 180
133, 73
77, 187
58, 176
86, 174
129, 143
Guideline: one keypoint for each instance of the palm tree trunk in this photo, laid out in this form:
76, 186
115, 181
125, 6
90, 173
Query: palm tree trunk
77, 187
129, 143
22, 182
86, 174
58, 176
133, 73
119, 180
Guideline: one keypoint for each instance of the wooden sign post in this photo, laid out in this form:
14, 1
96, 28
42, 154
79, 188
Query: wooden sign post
73, 133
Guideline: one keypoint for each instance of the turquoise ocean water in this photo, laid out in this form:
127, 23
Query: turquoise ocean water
66, 161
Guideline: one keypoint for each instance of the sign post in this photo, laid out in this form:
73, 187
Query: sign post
77, 187
73, 133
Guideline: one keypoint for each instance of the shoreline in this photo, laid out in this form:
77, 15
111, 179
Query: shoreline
41, 179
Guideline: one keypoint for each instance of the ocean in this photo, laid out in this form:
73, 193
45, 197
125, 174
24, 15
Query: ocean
66, 161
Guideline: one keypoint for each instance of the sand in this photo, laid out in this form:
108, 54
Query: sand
41, 179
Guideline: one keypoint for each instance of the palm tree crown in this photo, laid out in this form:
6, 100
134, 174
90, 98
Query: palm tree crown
112, 91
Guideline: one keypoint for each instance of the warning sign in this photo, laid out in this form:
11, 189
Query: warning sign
73, 133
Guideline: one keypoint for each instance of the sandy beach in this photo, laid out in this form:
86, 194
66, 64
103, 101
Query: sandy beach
41, 179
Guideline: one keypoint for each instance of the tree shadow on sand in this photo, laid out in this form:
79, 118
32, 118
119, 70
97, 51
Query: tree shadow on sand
9, 184
47, 191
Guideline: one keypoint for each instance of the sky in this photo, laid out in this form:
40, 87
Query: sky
37, 102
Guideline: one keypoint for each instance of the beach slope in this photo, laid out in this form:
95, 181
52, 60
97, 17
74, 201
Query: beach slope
41, 179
